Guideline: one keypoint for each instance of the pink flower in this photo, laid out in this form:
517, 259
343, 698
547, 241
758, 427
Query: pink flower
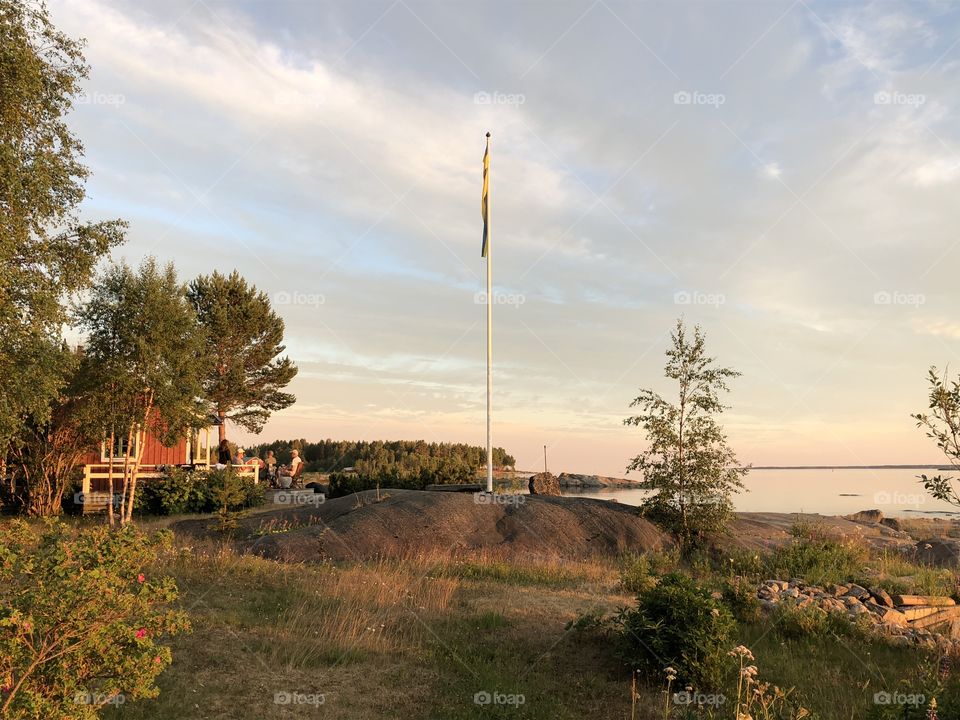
157, 660
141, 633
141, 578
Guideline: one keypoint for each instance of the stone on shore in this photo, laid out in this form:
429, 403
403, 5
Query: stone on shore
544, 484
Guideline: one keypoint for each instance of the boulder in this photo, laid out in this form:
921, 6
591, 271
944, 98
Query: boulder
939, 551
881, 597
544, 484
318, 487
892, 523
866, 516
859, 592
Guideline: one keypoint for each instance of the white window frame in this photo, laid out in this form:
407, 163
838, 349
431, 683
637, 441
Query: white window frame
117, 458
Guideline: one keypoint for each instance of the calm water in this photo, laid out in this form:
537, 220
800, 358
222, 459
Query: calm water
828, 492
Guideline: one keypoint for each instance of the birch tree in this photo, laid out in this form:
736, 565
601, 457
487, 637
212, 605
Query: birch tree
147, 349
687, 463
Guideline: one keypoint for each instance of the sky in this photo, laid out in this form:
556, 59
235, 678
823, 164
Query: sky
784, 174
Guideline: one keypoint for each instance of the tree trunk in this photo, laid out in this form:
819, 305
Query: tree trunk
126, 476
223, 425
110, 517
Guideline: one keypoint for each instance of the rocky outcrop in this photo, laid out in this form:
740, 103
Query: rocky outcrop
939, 551
544, 484
908, 619
586, 482
402, 523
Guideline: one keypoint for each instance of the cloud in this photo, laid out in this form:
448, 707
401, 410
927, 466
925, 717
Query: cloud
335, 150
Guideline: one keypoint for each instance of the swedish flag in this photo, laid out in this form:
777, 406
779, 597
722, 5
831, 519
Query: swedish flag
484, 206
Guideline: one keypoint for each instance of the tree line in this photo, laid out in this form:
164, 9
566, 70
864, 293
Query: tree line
391, 459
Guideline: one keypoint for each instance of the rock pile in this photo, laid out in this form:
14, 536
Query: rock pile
908, 619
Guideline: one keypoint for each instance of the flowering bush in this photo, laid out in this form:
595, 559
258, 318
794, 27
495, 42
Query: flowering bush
82, 619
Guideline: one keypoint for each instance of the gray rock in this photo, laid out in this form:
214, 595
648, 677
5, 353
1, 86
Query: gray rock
881, 597
939, 551
858, 592
892, 523
544, 484
868, 517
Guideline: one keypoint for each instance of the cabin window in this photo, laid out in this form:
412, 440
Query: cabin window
119, 449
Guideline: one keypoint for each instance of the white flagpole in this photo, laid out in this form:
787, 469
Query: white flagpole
489, 345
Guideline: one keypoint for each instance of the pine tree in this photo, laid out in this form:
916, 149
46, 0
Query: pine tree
243, 339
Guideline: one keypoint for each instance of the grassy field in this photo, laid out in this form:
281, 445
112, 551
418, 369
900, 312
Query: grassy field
425, 637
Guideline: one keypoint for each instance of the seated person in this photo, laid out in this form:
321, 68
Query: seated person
296, 466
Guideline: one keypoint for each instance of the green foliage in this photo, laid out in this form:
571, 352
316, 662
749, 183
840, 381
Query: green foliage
180, 491
46, 252
740, 596
687, 462
400, 464
818, 561
44, 461
678, 623
332, 455
942, 425
146, 354
640, 572
809, 624
82, 620
176, 492
243, 338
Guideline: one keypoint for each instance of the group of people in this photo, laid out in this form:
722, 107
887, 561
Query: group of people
274, 470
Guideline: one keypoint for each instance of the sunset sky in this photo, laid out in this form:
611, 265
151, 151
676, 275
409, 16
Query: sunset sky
785, 174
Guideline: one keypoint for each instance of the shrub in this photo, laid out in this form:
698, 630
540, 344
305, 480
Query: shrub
740, 597
82, 621
818, 561
810, 622
176, 492
180, 491
678, 623
636, 574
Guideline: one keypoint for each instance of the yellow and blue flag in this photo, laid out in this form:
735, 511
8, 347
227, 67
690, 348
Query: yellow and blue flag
484, 207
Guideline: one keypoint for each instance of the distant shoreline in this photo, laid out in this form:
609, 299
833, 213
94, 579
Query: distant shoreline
850, 467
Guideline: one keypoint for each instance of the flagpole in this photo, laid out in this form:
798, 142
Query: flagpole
489, 347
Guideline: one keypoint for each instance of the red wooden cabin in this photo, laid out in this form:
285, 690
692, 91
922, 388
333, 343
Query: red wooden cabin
199, 450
